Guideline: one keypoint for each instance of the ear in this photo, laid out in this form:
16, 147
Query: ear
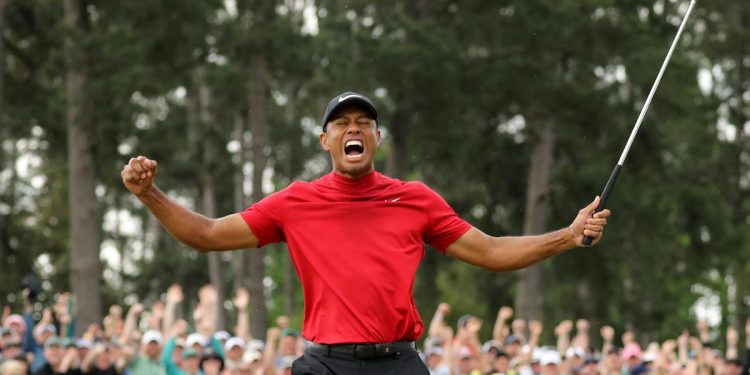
324, 141
378, 135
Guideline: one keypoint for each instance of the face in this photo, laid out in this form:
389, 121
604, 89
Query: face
731, 368
190, 364
633, 362
11, 351
501, 364
211, 366
82, 352
589, 369
433, 360
613, 360
103, 361
235, 353
352, 138
53, 354
550, 370
288, 345
466, 365
153, 349
513, 348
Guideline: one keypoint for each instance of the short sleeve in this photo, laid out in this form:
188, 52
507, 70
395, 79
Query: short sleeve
264, 218
444, 226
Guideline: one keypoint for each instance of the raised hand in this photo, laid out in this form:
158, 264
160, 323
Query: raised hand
682, 341
627, 338
732, 336
669, 346
474, 325
505, 313
115, 311
208, 294
588, 223
241, 298
174, 294
535, 327
582, 325
139, 174
608, 333
444, 308
563, 328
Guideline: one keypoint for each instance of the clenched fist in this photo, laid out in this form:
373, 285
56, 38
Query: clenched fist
138, 175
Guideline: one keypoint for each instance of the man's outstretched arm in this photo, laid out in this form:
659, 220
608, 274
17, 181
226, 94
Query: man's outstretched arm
193, 229
512, 253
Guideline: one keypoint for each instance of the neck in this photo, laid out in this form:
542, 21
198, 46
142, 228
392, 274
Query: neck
354, 176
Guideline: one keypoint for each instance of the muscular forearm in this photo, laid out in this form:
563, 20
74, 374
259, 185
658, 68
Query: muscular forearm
509, 253
185, 225
512, 253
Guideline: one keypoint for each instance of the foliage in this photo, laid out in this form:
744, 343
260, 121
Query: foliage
462, 88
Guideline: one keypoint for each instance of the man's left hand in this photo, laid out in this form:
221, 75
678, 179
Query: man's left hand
588, 223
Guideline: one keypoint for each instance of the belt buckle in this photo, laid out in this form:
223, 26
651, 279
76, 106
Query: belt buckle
364, 351
386, 350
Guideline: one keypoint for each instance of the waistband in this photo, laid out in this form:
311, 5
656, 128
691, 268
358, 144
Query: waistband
364, 350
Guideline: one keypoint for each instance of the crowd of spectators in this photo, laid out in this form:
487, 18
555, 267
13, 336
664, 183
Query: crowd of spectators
515, 349
152, 341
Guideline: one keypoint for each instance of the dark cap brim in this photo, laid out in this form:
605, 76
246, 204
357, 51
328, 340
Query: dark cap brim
349, 99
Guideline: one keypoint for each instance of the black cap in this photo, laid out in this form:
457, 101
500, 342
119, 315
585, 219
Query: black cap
349, 98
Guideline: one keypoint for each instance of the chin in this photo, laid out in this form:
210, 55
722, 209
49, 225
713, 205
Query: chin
356, 170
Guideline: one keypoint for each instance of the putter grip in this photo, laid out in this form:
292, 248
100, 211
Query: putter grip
605, 194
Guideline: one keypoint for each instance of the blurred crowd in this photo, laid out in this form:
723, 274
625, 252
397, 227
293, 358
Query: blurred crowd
150, 340
515, 349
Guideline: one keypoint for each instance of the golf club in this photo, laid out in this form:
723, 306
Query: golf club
616, 172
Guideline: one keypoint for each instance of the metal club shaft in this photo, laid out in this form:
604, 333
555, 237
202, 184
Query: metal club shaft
616, 172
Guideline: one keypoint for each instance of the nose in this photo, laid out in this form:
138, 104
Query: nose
353, 129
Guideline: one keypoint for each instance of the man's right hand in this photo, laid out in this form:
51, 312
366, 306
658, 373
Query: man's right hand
138, 175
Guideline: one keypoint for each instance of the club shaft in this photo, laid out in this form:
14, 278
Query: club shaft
655, 86
616, 172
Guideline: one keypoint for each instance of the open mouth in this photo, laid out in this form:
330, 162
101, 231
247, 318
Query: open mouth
354, 149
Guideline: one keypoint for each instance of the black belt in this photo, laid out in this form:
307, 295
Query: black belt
364, 351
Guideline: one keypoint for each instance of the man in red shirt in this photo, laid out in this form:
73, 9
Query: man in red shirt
356, 238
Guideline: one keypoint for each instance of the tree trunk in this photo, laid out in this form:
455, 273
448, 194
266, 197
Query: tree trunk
396, 163
530, 295
240, 257
290, 273
4, 240
85, 226
208, 188
259, 130
2, 69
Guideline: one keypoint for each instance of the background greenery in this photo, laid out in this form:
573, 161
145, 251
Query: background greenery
227, 96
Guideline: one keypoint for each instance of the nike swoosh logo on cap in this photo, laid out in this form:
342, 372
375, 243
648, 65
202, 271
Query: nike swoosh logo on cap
342, 98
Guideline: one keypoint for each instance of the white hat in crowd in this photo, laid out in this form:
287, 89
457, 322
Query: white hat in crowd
222, 335
195, 338
151, 335
234, 341
251, 356
549, 357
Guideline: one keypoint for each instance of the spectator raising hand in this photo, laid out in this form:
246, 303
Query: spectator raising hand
241, 300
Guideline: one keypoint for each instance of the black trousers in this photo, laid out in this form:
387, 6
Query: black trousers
317, 363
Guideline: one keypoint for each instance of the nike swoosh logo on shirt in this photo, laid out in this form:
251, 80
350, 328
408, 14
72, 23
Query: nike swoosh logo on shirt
342, 98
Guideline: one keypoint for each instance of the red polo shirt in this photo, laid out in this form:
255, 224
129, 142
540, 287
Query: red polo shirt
356, 245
